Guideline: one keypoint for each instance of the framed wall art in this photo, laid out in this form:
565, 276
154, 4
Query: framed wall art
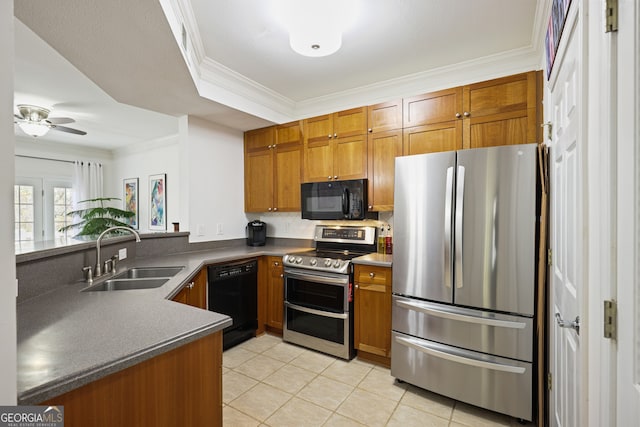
158, 202
559, 9
130, 197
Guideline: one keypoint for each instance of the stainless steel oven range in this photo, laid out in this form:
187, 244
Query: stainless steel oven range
318, 289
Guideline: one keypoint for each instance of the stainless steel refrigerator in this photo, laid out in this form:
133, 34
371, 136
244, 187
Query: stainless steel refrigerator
464, 275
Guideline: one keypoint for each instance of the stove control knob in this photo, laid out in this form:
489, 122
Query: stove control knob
299, 260
285, 258
313, 261
336, 263
327, 263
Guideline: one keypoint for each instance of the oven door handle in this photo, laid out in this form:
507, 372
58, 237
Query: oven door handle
316, 312
317, 278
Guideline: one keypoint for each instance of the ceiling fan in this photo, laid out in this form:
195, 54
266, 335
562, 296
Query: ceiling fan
35, 121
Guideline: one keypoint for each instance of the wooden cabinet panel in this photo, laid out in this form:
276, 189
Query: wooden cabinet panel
432, 138
273, 171
385, 116
318, 161
258, 181
182, 387
259, 139
502, 111
318, 128
288, 170
383, 148
372, 325
350, 122
289, 133
275, 294
431, 108
194, 293
350, 157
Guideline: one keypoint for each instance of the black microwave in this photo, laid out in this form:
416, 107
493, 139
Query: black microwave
334, 199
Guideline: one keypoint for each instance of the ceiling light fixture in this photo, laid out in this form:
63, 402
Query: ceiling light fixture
316, 26
34, 129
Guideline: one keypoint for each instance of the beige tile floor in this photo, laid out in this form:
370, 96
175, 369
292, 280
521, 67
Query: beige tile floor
267, 382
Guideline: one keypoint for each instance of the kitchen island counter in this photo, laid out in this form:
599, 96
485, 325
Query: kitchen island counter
68, 338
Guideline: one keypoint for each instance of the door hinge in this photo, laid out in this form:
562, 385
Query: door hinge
549, 381
611, 16
549, 257
610, 319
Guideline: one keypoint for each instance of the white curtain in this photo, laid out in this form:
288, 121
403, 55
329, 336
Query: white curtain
87, 182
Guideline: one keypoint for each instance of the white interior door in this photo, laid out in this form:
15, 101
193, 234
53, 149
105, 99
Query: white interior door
628, 223
565, 112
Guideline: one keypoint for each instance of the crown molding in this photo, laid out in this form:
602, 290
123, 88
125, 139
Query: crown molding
220, 84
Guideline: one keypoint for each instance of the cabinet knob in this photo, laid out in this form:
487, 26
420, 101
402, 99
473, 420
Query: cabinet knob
467, 114
335, 177
372, 274
329, 136
269, 209
281, 275
275, 209
191, 285
370, 130
276, 263
273, 146
370, 207
458, 115
335, 135
357, 286
329, 177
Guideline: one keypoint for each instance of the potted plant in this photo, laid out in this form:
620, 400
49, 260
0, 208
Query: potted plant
96, 219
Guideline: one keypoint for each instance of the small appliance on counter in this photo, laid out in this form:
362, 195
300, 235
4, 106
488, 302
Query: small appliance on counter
256, 233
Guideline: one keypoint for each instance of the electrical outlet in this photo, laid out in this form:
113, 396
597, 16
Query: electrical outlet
200, 230
219, 228
122, 254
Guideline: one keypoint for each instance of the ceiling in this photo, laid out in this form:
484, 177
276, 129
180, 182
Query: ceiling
123, 70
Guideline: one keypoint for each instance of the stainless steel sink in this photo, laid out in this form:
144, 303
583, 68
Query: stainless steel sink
128, 284
146, 272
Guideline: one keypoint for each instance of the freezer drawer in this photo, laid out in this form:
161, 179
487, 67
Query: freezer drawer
498, 384
486, 332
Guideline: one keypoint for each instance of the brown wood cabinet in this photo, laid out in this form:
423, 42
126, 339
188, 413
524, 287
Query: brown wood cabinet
194, 293
182, 387
384, 116
383, 148
273, 168
372, 323
335, 146
275, 294
503, 111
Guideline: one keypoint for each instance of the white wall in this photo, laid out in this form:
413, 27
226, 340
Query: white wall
140, 161
215, 178
8, 289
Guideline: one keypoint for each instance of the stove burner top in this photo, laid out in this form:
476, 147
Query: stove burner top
335, 247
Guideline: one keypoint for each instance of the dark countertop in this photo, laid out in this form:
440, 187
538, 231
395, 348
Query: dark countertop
68, 338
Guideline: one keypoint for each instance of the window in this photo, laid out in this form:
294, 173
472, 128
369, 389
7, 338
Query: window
62, 205
24, 201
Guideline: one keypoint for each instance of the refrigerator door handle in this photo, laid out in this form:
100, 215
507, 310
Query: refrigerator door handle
427, 308
425, 348
458, 226
448, 202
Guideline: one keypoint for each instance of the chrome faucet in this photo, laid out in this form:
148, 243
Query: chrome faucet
98, 270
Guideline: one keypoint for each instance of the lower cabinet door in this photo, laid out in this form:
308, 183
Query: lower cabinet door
496, 383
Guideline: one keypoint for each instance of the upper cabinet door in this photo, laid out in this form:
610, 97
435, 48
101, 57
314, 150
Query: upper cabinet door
433, 108
350, 122
385, 116
259, 139
289, 133
319, 128
502, 111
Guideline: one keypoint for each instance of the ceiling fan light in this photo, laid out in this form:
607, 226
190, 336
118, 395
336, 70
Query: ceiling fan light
34, 129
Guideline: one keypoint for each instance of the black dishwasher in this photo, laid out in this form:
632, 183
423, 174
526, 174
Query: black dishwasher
233, 290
